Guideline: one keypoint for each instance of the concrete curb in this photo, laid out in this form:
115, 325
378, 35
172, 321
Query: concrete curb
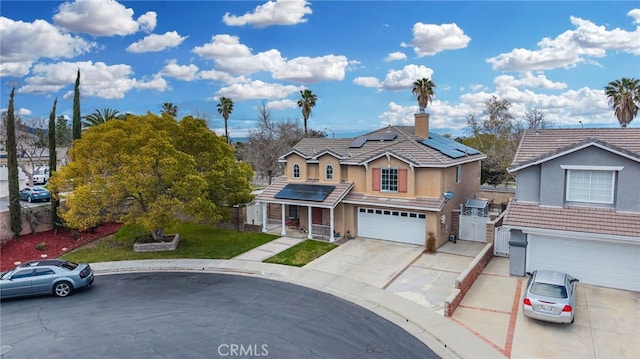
446, 338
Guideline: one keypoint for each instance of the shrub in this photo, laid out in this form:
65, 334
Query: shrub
431, 243
41, 246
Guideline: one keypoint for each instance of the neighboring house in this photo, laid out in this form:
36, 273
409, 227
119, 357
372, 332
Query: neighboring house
388, 184
577, 204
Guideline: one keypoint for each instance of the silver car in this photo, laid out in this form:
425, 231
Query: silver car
550, 296
50, 276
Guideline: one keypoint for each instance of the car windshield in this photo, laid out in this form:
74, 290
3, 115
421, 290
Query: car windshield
549, 290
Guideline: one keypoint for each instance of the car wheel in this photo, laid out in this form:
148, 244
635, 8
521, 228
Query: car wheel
62, 289
29, 199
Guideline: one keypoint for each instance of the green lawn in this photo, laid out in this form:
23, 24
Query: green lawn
196, 241
302, 253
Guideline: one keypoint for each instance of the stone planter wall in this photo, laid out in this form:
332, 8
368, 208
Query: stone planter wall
157, 246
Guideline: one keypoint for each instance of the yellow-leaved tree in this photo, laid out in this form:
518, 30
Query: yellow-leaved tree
150, 172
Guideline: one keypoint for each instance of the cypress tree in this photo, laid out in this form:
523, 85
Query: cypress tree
77, 123
15, 210
53, 160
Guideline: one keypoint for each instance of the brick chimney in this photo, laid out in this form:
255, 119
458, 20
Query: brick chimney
422, 125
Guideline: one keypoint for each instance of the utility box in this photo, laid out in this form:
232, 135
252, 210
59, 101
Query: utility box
518, 255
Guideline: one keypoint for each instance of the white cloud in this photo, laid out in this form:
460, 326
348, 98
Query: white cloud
258, 90
237, 59
568, 49
395, 56
23, 112
282, 104
23, 43
96, 79
367, 81
430, 39
404, 79
528, 80
182, 72
101, 18
279, 12
155, 42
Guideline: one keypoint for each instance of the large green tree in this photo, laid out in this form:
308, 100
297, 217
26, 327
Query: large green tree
53, 162
624, 97
63, 132
15, 210
149, 171
76, 122
225, 107
424, 91
169, 109
307, 102
99, 117
496, 134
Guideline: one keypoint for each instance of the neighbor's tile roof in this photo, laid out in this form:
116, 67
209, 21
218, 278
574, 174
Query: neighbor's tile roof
575, 219
535, 146
406, 146
332, 200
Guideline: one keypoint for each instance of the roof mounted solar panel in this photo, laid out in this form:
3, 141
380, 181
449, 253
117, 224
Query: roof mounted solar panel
358, 142
382, 137
305, 192
448, 146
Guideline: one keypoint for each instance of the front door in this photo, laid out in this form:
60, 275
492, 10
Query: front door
316, 216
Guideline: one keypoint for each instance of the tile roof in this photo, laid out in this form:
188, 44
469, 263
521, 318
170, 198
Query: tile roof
420, 203
332, 200
536, 146
575, 219
406, 146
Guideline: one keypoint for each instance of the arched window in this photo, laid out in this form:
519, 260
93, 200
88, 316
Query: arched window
296, 171
329, 172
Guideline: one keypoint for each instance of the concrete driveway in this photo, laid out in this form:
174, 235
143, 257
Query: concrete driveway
366, 260
607, 323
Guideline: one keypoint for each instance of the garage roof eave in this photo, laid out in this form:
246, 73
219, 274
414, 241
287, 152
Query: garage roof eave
578, 235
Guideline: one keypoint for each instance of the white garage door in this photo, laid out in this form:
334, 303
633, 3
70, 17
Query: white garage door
605, 264
398, 226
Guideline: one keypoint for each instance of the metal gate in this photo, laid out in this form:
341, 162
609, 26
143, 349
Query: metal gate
501, 241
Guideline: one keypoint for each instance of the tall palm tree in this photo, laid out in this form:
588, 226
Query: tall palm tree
170, 109
424, 91
98, 117
624, 97
307, 101
225, 107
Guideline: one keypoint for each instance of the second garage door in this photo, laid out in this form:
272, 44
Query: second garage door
607, 264
397, 226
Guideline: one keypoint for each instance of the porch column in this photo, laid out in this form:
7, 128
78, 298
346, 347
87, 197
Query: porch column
283, 229
331, 238
264, 216
309, 223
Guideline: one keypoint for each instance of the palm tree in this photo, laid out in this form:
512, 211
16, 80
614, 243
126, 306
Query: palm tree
97, 117
624, 97
307, 101
225, 107
170, 109
424, 91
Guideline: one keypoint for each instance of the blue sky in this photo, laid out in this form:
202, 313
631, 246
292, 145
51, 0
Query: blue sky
359, 57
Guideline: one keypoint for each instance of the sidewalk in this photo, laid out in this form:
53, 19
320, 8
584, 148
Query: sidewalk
445, 337
270, 249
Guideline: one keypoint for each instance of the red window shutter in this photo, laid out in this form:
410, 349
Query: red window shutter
376, 179
402, 180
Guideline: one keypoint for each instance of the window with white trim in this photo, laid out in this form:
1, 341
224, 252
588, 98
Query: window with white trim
328, 173
389, 179
590, 186
296, 171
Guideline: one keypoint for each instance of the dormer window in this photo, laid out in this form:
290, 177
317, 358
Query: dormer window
296, 171
594, 184
329, 172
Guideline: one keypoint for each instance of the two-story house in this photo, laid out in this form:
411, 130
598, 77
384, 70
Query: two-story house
577, 203
399, 183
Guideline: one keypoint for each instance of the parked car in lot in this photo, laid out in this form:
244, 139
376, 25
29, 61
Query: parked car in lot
33, 194
50, 276
550, 296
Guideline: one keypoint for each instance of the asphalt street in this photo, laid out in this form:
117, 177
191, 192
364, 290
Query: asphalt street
198, 315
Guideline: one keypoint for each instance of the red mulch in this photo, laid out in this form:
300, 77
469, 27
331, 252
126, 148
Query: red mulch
24, 249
